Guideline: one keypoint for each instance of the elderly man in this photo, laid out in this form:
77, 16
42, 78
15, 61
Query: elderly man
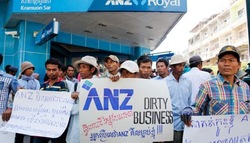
180, 89
225, 94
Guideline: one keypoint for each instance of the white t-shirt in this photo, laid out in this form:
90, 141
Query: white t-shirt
197, 77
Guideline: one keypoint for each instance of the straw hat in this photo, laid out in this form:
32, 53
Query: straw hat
177, 59
89, 60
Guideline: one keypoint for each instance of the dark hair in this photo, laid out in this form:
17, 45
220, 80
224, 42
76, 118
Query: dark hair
195, 64
207, 70
63, 68
95, 72
7, 68
165, 61
1, 58
70, 66
53, 61
143, 59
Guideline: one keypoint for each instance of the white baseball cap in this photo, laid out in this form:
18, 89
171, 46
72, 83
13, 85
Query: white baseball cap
129, 65
177, 59
89, 60
112, 57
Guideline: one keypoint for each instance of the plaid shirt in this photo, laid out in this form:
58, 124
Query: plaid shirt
7, 83
218, 97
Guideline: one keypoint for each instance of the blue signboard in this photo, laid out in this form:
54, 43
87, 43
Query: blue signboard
47, 33
140, 5
35, 6
155, 57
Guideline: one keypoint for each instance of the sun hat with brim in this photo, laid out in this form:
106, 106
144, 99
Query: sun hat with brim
130, 66
26, 65
177, 59
229, 49
89, 60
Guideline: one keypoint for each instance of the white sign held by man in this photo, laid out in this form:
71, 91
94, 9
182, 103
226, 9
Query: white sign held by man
6, 137
40, 113
218, 129
130, 110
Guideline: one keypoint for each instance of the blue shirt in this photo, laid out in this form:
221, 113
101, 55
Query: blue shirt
180, 94
157, 78
7, 83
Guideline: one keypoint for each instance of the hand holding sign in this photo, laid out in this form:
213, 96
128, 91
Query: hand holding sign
40, 113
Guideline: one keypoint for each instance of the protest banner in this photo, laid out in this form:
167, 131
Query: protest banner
7, 137
130, 110
218, 129
40, 113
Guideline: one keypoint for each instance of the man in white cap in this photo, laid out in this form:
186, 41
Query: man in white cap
196, 75
112, 65
180, 89
87, 67
129, 69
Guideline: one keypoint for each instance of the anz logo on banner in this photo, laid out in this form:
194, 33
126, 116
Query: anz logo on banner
125, 2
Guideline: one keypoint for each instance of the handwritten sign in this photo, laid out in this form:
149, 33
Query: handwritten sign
40, 113
6, 137
218, 129
130, 110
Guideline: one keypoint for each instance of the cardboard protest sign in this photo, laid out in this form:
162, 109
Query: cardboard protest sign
218, 129
130, 110
6, 137
40, 113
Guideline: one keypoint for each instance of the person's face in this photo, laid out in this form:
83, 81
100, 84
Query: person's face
162, 69
52, 71
111, 65
178, 69
228, 65
70, 71
61, 73
145, 70
85, 71
29, 71
126, 74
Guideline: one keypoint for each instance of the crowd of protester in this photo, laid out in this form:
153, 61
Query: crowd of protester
193, 90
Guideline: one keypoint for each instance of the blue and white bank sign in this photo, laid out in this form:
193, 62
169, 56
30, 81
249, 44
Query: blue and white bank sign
123, 111
44, 6
140, 5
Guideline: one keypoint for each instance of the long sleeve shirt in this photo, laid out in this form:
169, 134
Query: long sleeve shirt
180, 93
218, 97
7, 83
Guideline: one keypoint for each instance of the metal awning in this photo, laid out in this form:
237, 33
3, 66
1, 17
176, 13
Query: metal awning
145, 29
